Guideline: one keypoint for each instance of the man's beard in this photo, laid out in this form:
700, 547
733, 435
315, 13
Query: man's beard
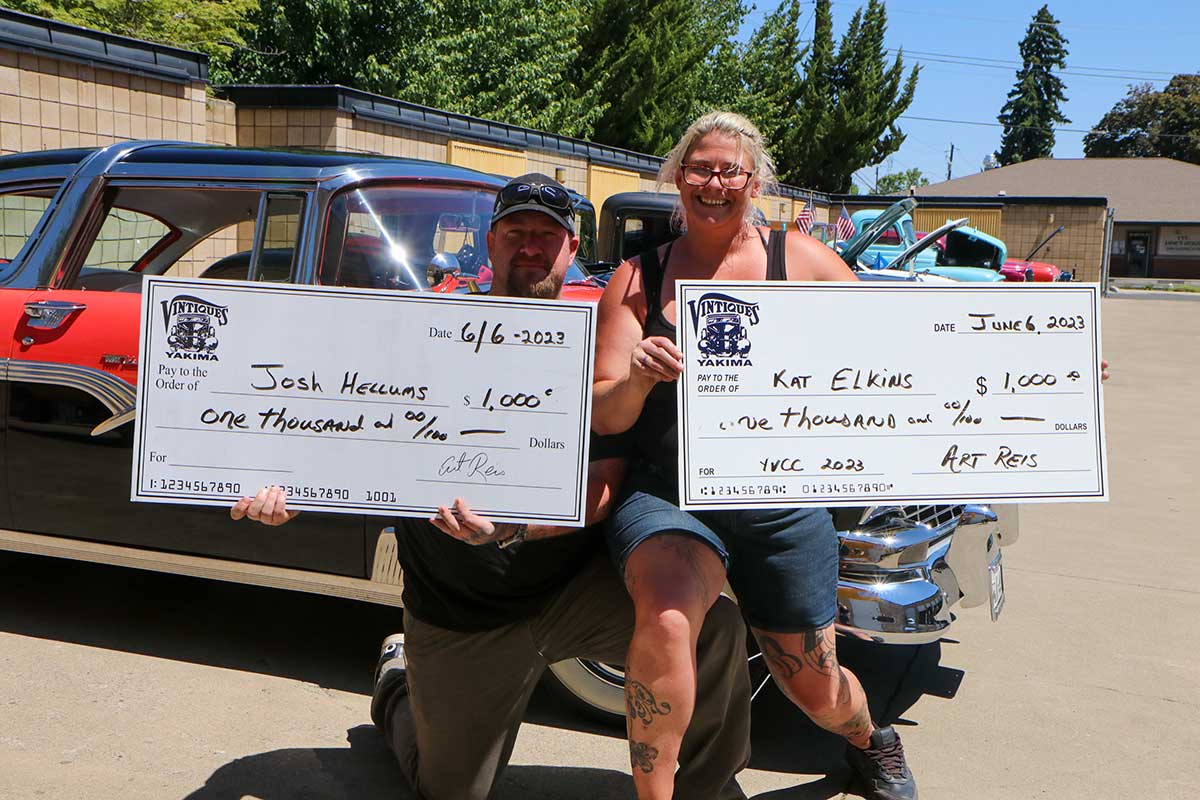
545, 289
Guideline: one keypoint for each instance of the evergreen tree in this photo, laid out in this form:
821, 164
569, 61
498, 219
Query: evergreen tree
1150, 123
838, 113
1034, 104
771, 66
647, 60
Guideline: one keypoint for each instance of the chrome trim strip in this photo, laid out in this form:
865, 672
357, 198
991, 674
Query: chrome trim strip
116, 395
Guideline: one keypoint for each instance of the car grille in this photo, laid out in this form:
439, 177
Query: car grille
931, 516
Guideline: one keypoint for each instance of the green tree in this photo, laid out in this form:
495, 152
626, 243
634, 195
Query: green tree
837, 112
1150, 123
364, 44
898, 182
512, 63
213, 27
1034, 104
771, 66
648, 60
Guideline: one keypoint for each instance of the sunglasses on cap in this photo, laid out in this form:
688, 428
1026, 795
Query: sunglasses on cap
550, 196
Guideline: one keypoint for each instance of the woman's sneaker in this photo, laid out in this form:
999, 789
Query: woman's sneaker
881, 769
391, 677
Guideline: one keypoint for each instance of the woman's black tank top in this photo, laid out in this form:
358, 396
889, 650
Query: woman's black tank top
655, 434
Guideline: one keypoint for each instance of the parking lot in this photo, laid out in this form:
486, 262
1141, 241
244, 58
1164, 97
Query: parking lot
123, 684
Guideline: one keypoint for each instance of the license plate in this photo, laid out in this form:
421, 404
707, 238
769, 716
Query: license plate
996, 573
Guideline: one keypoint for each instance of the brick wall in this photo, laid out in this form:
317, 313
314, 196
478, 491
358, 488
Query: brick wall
46, 103
1079, 248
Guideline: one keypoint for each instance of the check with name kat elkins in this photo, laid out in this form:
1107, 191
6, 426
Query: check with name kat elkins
839, 394
362, 401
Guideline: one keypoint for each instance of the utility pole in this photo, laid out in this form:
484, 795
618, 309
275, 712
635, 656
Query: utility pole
950, 161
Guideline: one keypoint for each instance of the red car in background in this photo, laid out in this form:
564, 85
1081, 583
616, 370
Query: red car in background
1039, 271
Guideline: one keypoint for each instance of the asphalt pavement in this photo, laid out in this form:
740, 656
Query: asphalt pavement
122, 684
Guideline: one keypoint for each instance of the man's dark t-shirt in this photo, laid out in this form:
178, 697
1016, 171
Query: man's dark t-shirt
463, 587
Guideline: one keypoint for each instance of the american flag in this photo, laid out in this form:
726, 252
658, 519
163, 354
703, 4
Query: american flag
804, 220
845, 228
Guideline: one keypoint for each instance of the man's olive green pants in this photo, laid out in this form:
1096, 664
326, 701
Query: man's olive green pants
454, 728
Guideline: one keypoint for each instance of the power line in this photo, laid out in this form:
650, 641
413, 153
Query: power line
994, 20
1068, 71
1012, 63
1120, 73
1031, 127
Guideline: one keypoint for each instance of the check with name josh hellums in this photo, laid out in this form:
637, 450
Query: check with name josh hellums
361, 401
858, 394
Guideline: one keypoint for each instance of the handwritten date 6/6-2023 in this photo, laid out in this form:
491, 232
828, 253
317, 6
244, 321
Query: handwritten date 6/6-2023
486, 332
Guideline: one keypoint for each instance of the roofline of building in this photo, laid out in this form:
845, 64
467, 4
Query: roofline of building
986, 200
47, 37
390, 111
1173, 223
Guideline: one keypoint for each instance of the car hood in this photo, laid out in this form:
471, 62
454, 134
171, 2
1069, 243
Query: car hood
1041, 270
858, 244
965, 274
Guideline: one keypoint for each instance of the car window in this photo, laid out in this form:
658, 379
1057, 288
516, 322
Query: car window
645, 232
188, 231
586, 225
406, 236
20, 214
125, 236
890, 236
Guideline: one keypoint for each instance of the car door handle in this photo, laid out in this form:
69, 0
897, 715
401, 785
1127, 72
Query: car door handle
49, 314
115, 421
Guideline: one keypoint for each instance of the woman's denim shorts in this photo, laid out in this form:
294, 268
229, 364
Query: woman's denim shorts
781, 563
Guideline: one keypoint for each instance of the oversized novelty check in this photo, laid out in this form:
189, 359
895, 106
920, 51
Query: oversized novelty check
857, 394
363, 401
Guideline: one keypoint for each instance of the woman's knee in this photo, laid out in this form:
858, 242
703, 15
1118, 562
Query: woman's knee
674, 573
817, 695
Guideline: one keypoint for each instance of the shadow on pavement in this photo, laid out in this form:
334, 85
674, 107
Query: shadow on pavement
366, 770
273, 632
895, 677
194, 620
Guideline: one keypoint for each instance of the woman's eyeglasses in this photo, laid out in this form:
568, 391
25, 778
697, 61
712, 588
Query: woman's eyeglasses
733, 178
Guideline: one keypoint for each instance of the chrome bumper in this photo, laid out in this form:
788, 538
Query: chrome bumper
903, 570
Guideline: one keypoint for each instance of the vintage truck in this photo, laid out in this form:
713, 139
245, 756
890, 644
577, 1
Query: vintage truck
82, 227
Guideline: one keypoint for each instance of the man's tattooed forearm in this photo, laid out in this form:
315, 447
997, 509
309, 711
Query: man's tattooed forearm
784, 663
642, 756
640, 703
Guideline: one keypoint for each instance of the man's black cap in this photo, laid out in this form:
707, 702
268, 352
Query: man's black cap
536, 192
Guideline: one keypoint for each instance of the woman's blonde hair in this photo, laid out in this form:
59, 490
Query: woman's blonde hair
750, 141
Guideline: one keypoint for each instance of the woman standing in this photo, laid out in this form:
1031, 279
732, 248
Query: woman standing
781, 563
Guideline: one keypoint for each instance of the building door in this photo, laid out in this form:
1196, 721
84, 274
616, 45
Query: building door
1137, 255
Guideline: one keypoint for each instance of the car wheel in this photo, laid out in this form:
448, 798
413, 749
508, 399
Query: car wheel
594, 688
597, 690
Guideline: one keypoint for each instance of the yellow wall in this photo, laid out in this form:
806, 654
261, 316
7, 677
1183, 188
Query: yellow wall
988, 220
604, 182
508, 163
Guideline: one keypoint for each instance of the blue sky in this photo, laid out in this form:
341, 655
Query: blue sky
1110, 46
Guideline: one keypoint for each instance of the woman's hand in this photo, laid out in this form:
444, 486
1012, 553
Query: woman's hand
656, 358
1103, 370
269, 507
